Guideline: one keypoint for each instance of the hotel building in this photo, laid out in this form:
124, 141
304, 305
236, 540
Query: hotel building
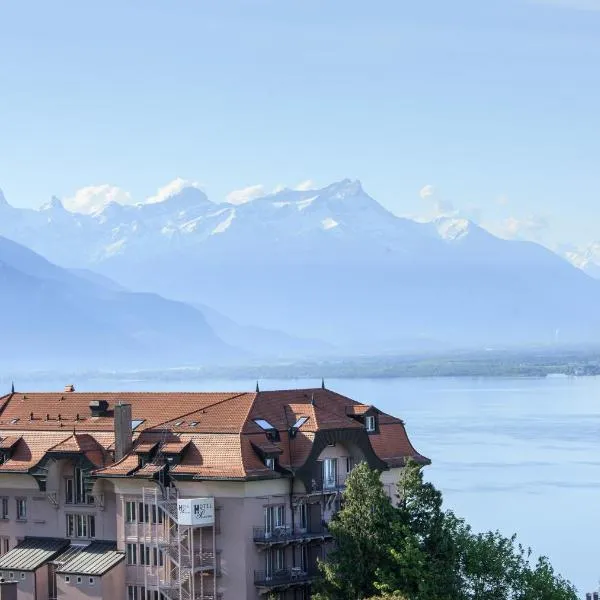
180, 496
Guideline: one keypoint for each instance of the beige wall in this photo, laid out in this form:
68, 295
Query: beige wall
110, 586
44, 518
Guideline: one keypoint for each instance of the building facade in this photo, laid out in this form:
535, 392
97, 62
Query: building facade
180, 496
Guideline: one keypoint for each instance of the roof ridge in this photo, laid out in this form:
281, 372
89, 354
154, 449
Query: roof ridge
72, 434
330, 411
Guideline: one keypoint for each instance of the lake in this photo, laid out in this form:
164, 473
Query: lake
518, 455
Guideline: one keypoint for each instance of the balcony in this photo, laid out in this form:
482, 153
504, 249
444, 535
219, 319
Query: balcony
283, 536
284, 578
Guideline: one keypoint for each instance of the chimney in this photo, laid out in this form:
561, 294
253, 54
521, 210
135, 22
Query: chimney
69, 388
123, 431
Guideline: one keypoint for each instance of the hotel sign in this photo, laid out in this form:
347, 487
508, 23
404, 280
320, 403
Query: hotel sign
196, 511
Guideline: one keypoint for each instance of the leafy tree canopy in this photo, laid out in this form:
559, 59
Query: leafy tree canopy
413, 549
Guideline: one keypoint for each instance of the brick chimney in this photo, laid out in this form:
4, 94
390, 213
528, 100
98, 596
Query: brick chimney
123, 431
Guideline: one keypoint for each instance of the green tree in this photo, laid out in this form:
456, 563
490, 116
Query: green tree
418, 551
425, 553
363, 531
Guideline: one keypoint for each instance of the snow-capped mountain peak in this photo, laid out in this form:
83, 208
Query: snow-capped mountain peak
53, 204
452, 229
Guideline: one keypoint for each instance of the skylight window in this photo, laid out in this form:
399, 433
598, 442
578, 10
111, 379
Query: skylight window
136, 423
193, 423
264, 424
300, 422
179, 423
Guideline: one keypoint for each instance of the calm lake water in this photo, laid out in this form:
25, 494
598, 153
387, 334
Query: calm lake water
518, 455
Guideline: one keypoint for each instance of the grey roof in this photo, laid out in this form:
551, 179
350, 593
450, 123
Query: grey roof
95, 559
32, 553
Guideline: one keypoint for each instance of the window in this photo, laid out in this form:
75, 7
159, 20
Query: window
80, 491
4, 545
67, 579
264, 424
11, 575
21, 509
304, 557
329, 473
132, 592
4, 508
274, 518
303, 516
279, 559
136, 423
143, 512
92, 581
79, 580
132, 554
349, 464
130, 512
69, 490
370, 423
157, 515
70, 526
81, 526
300, 422
22, 575
270, 463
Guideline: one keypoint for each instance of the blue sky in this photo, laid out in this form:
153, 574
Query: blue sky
494, 104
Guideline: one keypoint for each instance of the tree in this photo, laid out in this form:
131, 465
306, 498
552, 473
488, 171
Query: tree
425, 552
418, 551
363, 531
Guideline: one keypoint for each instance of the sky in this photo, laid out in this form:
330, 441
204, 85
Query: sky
489, 110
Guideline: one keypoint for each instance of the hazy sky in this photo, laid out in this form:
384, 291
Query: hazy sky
495, 103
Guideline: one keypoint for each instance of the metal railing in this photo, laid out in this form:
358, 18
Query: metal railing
285, 535
284, 577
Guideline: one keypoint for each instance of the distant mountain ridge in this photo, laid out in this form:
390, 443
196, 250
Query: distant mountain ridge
51, 317
330, 264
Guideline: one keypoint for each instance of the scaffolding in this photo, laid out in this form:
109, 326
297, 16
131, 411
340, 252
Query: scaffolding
180, 554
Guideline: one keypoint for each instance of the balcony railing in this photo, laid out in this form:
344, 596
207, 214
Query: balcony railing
285, 577
285, 535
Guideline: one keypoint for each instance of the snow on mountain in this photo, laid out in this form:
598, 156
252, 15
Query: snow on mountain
327, 263
586, 258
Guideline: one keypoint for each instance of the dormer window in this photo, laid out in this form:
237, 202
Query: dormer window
370, 423
270, 463
270, 430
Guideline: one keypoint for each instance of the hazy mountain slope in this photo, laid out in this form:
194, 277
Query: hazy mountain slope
330, 264
50, 317
262, 342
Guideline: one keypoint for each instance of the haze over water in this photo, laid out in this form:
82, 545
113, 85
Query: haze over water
518, 455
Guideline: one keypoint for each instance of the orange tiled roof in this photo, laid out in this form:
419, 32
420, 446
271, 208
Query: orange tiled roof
215, 433
9, 442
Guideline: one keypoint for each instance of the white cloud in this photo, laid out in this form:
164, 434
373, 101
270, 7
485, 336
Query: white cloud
93, 198
246, 194
427, 191
309, 184
528, 228
172, 188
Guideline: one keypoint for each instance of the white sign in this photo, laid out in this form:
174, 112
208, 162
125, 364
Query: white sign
196, 511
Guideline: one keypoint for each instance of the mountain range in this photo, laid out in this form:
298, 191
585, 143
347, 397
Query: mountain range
328, 264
